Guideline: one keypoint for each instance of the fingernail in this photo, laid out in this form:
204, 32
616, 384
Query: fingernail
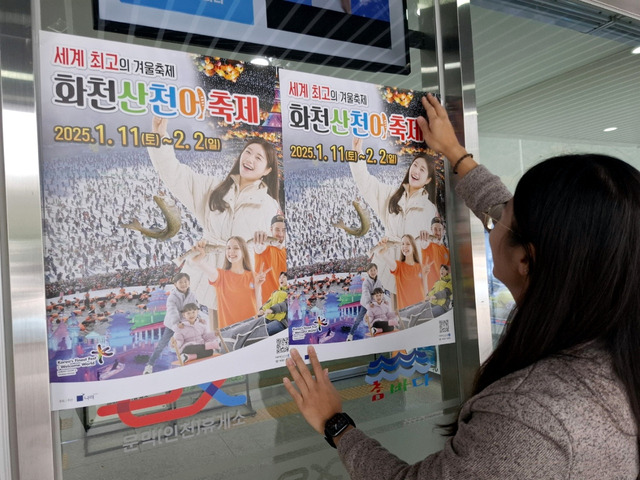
311, 349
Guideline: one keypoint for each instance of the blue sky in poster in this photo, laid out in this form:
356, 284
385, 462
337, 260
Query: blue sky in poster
374, 9
240, 11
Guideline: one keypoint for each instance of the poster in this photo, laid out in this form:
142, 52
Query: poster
172, 205
365, 209
135, 142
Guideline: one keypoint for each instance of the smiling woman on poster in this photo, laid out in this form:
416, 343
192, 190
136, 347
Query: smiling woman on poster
403, 209
240, 205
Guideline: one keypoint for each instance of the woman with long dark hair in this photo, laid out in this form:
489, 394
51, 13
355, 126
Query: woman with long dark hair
560, 395
241, 204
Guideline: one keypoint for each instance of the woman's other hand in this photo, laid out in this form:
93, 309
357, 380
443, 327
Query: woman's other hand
159, 126
261, 275
357, 144
316, 397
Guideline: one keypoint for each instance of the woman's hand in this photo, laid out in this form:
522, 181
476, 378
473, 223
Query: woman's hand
159, 126
438, 131
316, 397
357, 144
199, 248
261, 275
426, 268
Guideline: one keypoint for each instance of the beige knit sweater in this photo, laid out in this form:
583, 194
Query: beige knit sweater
565, 417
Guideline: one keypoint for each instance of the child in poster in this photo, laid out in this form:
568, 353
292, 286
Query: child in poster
370, 282
383, 318
276, 307
179, 296
192, 338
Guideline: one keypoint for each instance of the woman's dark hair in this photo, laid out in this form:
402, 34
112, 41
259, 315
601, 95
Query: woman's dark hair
414, 253
271, 180
578, 217
429, 189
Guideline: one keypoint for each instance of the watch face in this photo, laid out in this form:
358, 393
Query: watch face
336, 424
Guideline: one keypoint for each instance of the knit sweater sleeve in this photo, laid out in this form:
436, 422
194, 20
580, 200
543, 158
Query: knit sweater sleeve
481, 190
499, 436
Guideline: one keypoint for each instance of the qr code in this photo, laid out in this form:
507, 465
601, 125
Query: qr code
282, 345
444, 326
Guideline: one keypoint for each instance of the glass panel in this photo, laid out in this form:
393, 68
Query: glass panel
551, 84
253, 429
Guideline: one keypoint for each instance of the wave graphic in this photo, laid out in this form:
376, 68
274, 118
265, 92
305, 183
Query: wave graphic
400, 372
403, 360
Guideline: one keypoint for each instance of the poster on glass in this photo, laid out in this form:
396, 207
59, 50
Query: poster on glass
162, 183
367, 249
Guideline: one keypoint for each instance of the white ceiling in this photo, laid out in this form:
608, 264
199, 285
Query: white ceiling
536, 79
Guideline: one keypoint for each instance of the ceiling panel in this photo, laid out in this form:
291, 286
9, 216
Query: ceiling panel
538, 79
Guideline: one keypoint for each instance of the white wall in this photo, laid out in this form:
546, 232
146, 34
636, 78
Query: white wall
509, 158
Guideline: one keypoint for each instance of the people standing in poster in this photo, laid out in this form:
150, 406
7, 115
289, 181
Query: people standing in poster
382, 317
410, 281
271, 255
193, 340
370, 282
434, 251
404, 209
180, 295
241, 204
237, 285
440, 294
275, 308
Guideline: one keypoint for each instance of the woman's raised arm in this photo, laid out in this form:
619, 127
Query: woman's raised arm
439, 135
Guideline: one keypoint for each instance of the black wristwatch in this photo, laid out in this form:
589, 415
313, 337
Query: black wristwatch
335, 426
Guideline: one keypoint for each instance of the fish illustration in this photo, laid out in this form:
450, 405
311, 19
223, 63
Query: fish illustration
171, 213
365, 222
210, 248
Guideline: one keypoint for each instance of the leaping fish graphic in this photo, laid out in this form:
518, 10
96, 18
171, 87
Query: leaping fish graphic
365, 222
171, 213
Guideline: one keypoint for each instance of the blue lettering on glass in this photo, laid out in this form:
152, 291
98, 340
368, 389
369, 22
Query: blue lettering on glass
239, 11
